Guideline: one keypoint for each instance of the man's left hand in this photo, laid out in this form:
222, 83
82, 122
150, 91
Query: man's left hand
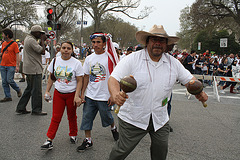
203, 97
110, 102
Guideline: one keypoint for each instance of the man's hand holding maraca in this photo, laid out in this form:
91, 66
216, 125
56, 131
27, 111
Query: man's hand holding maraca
203, 97
120, 97
195, 87
127, 84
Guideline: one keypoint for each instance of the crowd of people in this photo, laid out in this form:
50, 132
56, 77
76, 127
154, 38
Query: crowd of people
95, 84
210, 64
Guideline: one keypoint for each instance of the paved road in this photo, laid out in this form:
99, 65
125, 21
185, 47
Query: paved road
211, 133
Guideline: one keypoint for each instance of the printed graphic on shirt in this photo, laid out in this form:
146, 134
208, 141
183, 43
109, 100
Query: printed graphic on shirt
97, 73
63, 74
211, 67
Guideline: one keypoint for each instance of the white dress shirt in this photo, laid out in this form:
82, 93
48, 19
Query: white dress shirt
155, 81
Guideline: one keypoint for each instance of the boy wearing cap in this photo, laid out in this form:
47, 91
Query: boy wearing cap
32, 67
97, 97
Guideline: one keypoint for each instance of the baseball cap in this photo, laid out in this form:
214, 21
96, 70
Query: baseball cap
37, 28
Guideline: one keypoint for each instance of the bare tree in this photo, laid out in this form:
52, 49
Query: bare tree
97, 8
186, 33
17, 12
122, 32
210, 15
68, 24
60, 6
215, 10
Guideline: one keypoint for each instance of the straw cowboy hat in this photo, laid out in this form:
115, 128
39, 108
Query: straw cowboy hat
158, 31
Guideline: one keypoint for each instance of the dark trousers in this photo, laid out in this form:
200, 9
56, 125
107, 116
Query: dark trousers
130, 136
34, 90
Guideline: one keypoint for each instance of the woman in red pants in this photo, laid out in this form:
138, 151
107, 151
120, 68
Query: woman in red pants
68, 73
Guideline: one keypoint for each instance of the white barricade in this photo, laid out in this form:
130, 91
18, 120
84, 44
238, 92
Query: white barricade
215, 80
228, 79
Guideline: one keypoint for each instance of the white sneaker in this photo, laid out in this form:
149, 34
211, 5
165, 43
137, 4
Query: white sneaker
48, 145
73, 139
222, 91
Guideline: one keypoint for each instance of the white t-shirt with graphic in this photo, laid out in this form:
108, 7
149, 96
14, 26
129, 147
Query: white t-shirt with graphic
65, 73
96, 66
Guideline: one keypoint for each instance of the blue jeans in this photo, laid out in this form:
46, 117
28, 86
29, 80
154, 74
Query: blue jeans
90, 109
7, 73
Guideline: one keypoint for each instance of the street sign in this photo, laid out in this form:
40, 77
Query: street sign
223, 42
52, 35
84, 22
199, 45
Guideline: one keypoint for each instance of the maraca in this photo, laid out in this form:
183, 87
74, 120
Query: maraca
195, 87
127, 84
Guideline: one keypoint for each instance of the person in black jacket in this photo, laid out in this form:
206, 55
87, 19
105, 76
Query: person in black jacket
190, 61
229, 74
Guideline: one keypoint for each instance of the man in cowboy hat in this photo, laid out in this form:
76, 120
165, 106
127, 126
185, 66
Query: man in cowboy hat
145, 109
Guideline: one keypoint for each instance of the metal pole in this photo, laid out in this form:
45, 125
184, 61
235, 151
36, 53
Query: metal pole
81, 54
52, 53
15, 20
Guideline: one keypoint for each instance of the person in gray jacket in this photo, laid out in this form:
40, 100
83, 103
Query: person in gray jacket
32, 67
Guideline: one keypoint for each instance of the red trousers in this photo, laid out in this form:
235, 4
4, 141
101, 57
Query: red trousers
59, 102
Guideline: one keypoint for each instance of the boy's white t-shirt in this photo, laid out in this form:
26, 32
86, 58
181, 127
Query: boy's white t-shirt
96, 66
65, 73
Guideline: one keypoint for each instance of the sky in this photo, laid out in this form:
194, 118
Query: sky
164, 12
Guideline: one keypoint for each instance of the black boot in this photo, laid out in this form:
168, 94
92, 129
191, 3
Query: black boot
231, 90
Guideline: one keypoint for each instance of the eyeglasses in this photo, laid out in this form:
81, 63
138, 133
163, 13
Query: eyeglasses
158, 39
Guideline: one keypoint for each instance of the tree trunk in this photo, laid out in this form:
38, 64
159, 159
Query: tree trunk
97, 24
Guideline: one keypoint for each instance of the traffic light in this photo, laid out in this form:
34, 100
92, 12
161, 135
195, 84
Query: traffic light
57, 26
50, 16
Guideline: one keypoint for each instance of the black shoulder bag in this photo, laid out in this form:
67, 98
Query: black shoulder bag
52, 76
5, 49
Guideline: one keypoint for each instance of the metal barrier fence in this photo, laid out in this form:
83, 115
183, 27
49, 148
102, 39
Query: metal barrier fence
215, 80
